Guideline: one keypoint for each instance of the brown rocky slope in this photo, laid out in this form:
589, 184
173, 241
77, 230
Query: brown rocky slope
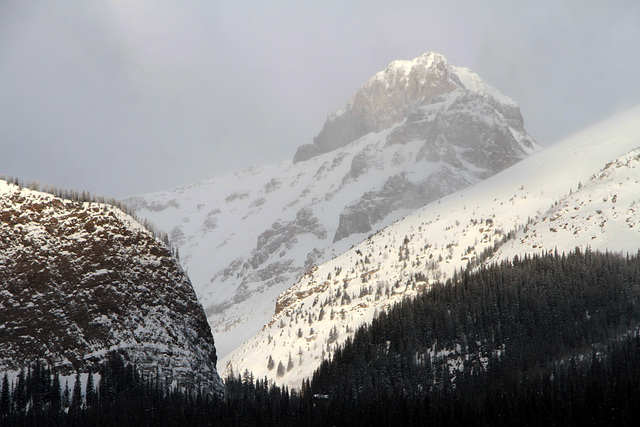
79, 280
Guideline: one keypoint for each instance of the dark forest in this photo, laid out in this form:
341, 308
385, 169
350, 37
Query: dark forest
542, 340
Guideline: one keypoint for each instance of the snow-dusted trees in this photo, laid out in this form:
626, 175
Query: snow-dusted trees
87, 197
270, 363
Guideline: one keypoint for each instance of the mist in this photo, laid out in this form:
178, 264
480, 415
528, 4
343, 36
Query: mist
121, 98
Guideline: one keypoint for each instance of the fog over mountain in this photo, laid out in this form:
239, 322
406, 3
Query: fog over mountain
165, 93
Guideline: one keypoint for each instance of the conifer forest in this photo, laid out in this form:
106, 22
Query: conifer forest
542, 340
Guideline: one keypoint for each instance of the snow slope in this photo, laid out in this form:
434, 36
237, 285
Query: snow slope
582, 191
603, 214
246, 237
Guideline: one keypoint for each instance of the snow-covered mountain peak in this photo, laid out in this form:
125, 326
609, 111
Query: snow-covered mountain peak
432, 62
434, 70
392, 94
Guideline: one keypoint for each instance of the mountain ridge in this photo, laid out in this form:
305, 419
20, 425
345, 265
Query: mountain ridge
496, 217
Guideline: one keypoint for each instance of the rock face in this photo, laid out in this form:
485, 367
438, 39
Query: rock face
397, 193
415, 132
281, 236
78, 280
390, 96
464, 133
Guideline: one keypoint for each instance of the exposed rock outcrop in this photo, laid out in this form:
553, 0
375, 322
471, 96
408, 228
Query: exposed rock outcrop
393, 94
282, 236
397, 193
78, 280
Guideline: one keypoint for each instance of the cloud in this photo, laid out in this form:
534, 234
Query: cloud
123, 97
567, 63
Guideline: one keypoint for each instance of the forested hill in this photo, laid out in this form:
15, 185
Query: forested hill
542, 340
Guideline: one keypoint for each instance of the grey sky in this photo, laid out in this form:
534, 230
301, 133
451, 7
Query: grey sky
120, 97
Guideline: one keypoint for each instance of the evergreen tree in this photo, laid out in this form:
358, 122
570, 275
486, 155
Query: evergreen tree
20, 399
56, 390
76, 397
90, 393
290, 363
5, 400
66, 396
270, 363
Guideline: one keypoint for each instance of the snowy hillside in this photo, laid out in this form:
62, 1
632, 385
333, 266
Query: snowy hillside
430, 129
581, 191
79, 280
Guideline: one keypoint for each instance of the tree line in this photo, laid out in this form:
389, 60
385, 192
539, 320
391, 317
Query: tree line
560, 331
87, 197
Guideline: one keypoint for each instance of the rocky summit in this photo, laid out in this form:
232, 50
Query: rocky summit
81, 280
395, 94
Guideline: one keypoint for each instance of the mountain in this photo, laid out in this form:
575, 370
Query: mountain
81, 280
395, 94
582, 191
413, 133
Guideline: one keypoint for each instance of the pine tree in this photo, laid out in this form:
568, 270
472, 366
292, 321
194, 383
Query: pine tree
20, 399
90, 394
280, 372
290, 363
270, 363
66, 396
5, 401
76, 397
56, 398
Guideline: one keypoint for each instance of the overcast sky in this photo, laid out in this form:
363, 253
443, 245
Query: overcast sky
123, 97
